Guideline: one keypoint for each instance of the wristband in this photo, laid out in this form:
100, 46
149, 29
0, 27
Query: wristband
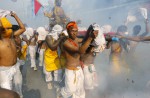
115, 39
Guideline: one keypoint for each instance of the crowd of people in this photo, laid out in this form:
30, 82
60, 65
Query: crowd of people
67, 60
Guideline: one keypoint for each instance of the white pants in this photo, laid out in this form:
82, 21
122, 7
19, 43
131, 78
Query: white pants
49, 77
74, 84
90, 77
17, 81
41, 57
8, 75
32, 52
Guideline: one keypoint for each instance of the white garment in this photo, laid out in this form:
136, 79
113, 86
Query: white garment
29, 32
74, 84
17, 80
144, 12
4, 13
90, 77
56, 30
41, 57
49, 77
41, 33
32, 52
7, 74
99, 42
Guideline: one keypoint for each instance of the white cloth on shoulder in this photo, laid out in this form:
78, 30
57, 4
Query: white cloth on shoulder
99, 42
57, 29
29, 32
4, 13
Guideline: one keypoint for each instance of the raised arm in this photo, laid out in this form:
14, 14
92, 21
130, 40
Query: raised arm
21, 25
53, 44
138, 38
147, 28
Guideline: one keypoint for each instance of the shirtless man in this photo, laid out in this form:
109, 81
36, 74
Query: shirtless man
117, 50
51, 56
136, 31
32, 48
74, 78
135, 38
8, 51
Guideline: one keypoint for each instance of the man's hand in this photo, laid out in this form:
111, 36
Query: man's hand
94, 34
62, 37
12, 13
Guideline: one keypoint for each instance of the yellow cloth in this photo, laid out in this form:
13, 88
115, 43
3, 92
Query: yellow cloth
51, 60
7, 26
24, 52
116, 64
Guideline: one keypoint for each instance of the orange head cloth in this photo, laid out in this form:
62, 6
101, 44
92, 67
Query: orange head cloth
7, 26
71, 24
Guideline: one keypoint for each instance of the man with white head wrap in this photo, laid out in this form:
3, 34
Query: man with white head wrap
32, 38
41, 43
51, 57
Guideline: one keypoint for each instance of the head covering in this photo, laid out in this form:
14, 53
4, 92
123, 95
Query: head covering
56, 30
29, 32
5, 23
99, 42
71, 24
7, 26
96, 26
41, 33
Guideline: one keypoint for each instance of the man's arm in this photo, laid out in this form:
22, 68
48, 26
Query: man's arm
147, 28
21, 25
53, 44
138, 38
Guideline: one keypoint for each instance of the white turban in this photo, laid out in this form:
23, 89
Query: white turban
29, 32
56, 30
41, 33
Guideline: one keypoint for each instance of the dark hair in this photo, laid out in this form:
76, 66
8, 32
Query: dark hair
136, 29
89, 31
122, 28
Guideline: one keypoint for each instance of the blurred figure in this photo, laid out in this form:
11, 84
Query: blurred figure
57, 15
32, 38
41, 44
5, 93
118, 49
136, 32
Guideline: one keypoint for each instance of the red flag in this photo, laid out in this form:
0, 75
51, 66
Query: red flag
37, 6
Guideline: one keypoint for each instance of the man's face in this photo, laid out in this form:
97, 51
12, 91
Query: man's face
73, 33
5, 32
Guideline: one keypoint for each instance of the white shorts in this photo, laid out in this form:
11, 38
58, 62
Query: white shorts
74, 84
7, 74
90, 77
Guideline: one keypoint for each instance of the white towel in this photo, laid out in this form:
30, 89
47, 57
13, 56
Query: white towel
99, 42
144, 12
4, 13
29, 32
41, 33
56, 30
